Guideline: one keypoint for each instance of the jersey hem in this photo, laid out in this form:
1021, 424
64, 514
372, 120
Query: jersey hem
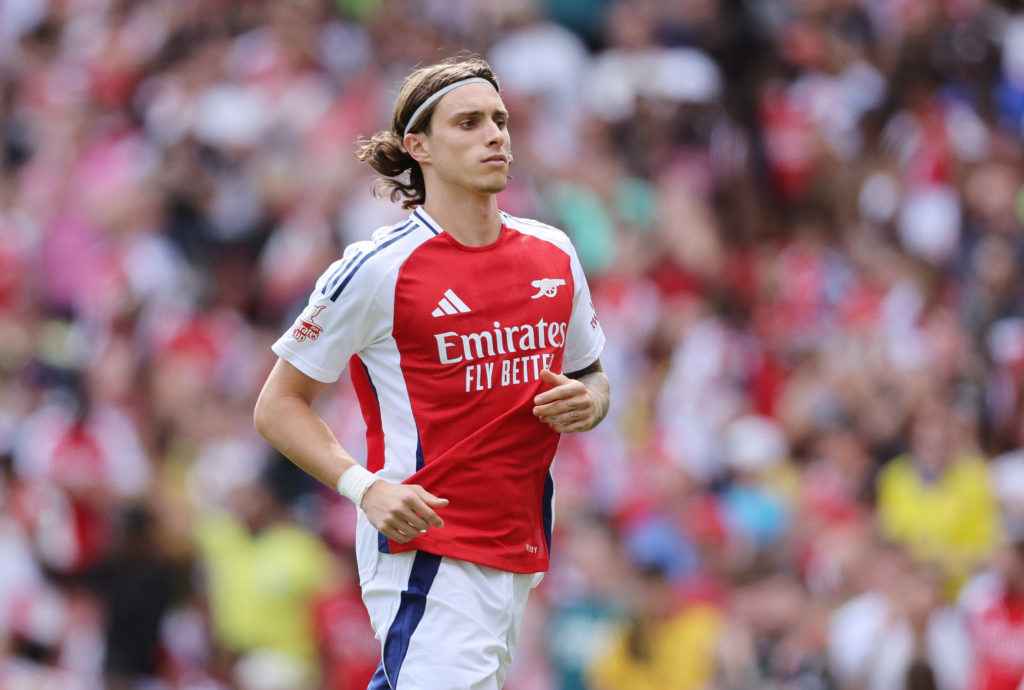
506, 565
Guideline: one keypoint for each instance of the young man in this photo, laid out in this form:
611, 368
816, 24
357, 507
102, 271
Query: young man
454, 325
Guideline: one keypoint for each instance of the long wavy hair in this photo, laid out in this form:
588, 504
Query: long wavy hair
384, 151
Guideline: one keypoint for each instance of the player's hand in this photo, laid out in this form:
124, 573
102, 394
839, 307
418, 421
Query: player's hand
401, 511
568, 406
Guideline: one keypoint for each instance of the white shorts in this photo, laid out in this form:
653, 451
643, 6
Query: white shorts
443, 623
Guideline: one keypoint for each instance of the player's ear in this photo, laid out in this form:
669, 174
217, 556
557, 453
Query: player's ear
417, 146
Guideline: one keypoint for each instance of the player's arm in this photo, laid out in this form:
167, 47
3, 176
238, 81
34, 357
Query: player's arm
577, 401
284, 415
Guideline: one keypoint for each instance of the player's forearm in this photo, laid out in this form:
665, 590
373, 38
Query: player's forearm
598, 386
298, 432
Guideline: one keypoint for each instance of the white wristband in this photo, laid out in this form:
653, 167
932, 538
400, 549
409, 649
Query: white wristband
354, 483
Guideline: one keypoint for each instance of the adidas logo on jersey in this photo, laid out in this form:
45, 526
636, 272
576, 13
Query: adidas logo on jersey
450, 304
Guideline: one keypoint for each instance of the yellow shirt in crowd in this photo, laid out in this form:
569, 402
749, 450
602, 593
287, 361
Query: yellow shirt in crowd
261, 586
952, 520
681, 655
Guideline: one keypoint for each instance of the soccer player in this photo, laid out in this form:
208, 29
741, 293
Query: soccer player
455, 325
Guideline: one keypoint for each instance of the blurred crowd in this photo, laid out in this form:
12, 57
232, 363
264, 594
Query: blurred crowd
803, 225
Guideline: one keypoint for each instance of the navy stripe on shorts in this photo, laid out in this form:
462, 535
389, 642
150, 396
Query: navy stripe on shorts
410, 613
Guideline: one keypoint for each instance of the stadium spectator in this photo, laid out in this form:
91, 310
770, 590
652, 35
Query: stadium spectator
937, 500
898, 631
660, 644
262, 573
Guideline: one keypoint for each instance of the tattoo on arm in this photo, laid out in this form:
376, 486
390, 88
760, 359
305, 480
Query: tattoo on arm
594, 378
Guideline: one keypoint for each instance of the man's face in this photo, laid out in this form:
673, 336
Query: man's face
932, 439
468, 145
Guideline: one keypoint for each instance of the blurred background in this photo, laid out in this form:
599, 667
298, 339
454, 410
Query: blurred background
802, 226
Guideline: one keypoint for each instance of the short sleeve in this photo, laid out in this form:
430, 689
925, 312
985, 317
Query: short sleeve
336, 323
584, 339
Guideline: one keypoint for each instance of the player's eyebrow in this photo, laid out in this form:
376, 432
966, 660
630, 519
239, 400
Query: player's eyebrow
500, 112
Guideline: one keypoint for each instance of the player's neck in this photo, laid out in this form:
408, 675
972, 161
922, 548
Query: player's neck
471, 219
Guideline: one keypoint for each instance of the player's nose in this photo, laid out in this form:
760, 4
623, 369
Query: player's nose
495, 134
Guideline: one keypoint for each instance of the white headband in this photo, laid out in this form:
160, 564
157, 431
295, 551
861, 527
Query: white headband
437, 95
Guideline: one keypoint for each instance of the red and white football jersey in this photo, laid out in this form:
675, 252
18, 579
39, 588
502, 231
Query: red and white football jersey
995, 623
445, 344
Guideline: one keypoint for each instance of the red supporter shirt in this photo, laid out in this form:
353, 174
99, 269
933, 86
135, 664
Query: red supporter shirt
445, 344
997, 632
349, 651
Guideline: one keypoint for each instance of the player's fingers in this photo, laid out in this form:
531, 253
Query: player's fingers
553, 417
551, 397
398, 534
424, 505
563, 394
562, 387
434, 501
548, 376
571, 428
403, 527
416, 523
555, 406
565, 424
574, 408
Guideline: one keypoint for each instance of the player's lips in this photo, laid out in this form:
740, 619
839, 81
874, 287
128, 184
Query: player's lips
497, 159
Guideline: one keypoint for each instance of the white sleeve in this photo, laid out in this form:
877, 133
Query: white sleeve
337, 321
855, 631
584, 339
